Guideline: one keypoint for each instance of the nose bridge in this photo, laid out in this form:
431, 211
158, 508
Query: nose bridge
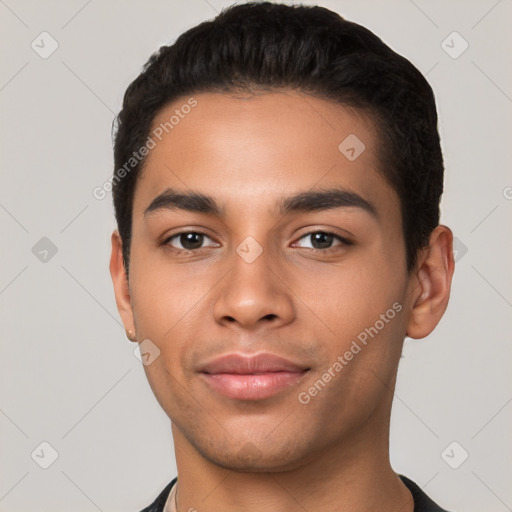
251, 292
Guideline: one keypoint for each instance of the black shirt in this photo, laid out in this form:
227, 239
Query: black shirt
422, 503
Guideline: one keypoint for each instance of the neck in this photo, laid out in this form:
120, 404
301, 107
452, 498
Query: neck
352, 475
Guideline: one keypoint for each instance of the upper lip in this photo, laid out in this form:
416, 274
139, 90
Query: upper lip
241, 364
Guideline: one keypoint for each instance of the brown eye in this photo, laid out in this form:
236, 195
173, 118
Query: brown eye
187, 241
322, 240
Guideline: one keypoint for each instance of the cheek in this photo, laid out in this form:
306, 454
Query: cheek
348, 299
164, 296
168, 307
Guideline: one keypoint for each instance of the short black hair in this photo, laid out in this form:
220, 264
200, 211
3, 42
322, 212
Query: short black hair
267, 46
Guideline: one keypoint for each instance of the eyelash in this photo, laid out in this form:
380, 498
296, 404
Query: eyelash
344, 241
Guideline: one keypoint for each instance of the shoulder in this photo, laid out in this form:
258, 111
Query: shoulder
159, 503
422, 503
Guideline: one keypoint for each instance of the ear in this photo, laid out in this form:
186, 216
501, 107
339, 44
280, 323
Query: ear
121, 288
430, 283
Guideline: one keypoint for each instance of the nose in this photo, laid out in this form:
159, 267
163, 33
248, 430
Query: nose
253, 294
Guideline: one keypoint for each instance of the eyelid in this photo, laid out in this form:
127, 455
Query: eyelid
167, 239
342, 239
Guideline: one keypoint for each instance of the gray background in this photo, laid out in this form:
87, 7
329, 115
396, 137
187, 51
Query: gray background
68, 375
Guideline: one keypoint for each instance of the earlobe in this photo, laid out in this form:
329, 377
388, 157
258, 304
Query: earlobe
120, 283
431, 284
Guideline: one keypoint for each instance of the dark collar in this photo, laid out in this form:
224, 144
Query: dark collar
159, 504
422, 503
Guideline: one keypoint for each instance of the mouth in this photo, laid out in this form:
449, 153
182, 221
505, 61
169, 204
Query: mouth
251, 377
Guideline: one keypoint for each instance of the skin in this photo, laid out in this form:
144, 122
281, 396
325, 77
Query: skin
307, 305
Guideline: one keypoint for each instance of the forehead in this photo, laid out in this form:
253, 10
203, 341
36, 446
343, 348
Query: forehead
246, 150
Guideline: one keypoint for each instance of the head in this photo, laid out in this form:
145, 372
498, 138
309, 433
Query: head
301, 156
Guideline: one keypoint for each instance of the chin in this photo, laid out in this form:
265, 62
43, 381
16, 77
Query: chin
248, 458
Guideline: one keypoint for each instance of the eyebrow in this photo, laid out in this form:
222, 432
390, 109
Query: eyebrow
309, 201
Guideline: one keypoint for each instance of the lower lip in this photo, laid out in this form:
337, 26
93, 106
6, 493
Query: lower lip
251, 386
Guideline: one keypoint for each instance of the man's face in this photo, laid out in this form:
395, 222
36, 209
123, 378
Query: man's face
259, 280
